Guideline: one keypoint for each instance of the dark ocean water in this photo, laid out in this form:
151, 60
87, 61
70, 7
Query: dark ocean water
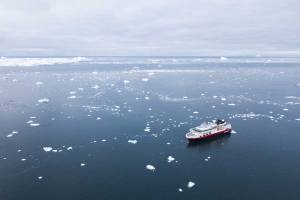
86, 109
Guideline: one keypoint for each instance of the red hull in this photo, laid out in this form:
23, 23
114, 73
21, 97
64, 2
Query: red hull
223, 132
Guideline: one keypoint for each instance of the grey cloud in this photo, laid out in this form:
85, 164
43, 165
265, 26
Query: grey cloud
132, 27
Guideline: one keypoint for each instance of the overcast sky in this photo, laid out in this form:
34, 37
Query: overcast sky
150, 27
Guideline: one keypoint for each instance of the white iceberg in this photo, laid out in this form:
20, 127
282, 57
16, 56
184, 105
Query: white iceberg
150, 167
43, 100
191, 184
132, 141
47, 149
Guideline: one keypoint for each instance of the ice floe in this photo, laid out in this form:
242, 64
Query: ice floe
190, 184
47, 149
132, 141
82, 164
180, 190
39, 83
40, 177
150, 167
12, 134
43, 100
34, 124
170, 159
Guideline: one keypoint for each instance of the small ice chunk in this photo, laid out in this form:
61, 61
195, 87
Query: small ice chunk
40, 177
132, 141
223, 58
23, 159
43, 100
285, 109
39, 83
150, 167
47, 149
170, 159
190, 184
297, 119
96, 87
69, 148
147, 129
233, 131
82, 164
98, 118
195, 112
231, 104
72, 97
103, 140
180, 190
223, 99
145, 79
34, 124
126, 81
168, 143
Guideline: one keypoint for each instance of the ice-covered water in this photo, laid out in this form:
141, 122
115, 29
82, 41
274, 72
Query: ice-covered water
114, 128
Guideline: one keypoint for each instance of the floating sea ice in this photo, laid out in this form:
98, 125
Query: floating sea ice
207, 159
72, 97
69, 148
80, 89
150, 167
147, 129
145, 79
39, 83
168, 143
223, 99
223, 58
98, 118
297, 119
170, 159
95, 87
231, 104
132, 141
43, 100
191, 184
233, 131
40, 177
34, 124
298, 84
103, 140
147, 98
12, 134
23, 159
285, 109
180, 190
47, 149
195, 112
82, 164
126, 81
19, 150
72, 92
95, 73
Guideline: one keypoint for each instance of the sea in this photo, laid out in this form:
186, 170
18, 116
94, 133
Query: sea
110, 128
